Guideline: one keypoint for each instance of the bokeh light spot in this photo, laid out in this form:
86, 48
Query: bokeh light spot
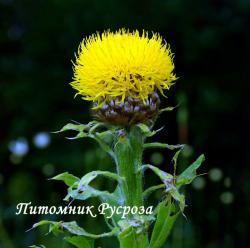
19, 147
41, 140
215, 174
156, 158
199, 183
227, 197
48, 169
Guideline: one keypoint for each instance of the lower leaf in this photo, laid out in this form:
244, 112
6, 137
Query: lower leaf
129, 238
166, 217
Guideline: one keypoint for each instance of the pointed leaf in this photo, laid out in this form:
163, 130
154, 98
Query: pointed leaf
67, 178
82, 191
74, 127
86, 179
164, 176
170, 187
180, 198
72, 228
54, 226
162, 145
167, 109
176, 155
146, 130
166, 217
87, 192
189, 174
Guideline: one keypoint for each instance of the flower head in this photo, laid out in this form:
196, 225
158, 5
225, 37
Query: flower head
122, 64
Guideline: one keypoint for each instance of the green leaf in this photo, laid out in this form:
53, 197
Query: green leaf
90, 130
53, 226
86, 179
139, 222
72, 228
166, 217
44, 222
167, 109
162, 145
180, 198
74, 127
87, 192
188, 175
78, 136
146, 130
129, 238
168, 181
176, 155
81, 190
80, 241
164, 176
67, 178
115, 199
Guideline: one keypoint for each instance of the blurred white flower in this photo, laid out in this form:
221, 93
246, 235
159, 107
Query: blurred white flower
41, 140
19, 147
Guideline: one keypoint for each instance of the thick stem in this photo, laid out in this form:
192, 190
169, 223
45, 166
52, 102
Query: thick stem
128, 150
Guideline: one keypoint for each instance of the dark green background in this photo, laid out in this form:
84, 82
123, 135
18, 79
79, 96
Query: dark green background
210, 40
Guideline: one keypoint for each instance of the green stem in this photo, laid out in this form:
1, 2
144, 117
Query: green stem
128, 150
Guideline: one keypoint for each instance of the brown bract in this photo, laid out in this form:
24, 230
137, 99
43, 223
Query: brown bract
131, 111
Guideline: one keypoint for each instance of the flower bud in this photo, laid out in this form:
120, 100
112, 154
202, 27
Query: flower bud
130, 111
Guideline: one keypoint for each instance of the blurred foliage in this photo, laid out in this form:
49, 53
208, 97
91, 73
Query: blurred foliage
210, 40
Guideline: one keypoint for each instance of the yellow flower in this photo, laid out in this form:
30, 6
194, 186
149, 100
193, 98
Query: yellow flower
122, 64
